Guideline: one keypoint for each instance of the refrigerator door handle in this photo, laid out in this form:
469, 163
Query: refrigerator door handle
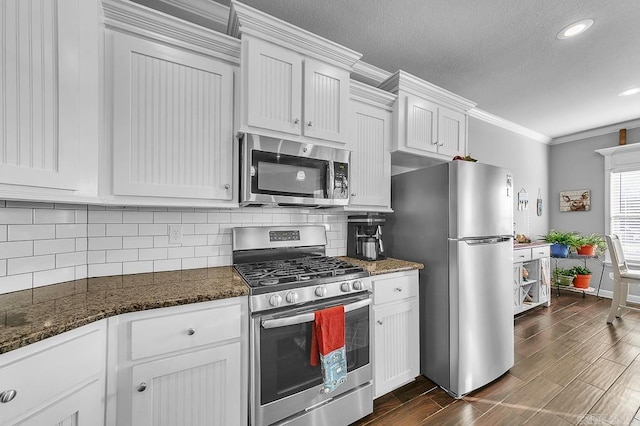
492, 240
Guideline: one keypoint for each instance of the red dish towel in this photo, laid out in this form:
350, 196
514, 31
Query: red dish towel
327, 333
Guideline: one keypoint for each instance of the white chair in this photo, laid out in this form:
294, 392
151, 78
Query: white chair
622, 277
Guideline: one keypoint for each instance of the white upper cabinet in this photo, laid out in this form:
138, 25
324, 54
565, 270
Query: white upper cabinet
48, 99
430, 121
294, 84
369, 142
170, 87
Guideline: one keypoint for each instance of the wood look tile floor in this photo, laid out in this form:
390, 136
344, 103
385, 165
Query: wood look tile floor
572, 368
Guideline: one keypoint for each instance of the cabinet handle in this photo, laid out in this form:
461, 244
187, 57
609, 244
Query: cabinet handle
310, 124
353, 194
521, 256
8, 395
441, 144
296, 121
227, 186
191, 331
142, 387
398, 289
379, 322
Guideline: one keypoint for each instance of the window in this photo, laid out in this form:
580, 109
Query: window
624, 211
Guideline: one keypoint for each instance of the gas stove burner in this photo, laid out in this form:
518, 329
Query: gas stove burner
269, 281
340, 272
304, 277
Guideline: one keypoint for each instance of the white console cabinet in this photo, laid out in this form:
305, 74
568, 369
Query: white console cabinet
531, 278
396, 345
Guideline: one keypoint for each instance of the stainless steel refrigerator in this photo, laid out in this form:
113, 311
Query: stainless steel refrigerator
456, 218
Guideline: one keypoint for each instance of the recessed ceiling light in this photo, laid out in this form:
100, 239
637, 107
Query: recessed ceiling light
630, 92
575, 29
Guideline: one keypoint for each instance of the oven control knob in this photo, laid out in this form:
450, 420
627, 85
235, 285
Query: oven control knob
292, 297
275, 300
345, 287
358, 285
321, 291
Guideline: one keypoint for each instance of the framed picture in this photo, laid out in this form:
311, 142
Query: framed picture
575, 201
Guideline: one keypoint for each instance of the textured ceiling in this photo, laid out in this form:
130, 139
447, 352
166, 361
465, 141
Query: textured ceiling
501, 54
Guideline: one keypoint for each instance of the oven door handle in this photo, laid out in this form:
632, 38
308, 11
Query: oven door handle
300, 319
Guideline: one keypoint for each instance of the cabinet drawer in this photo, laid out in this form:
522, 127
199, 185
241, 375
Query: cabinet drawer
522, 255
394, 288
155, 336
51, 369
540, 252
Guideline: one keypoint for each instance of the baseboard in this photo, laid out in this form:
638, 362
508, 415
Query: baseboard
608, 294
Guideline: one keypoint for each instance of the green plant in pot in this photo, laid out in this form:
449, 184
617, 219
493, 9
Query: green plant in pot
560, 242
563, 276
590, 245
583, 276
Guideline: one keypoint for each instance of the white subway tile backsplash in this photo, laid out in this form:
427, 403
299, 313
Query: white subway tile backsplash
21, 265
153, 229
73, 231
209, 228
3, 268
105, 243
54, 276
82, 271
167, 265
107, 216
71, 259
82, 216
121, 229
263, 217
137, 217
29, 205
105, 269
137, 242
179, 252
54, 246
129, 255
16, 249
96, 230
162, 241
194, 240
213, 262
53, 216
31, 232
96, 256
82, 244
216, 240
207, 251
152, 254
16, 283
219, 217
194, 217
194, 262
225, 250
137, 267
167, 217
241, 217
3, 233
10, 216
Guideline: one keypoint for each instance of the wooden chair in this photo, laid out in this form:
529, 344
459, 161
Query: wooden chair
622, 277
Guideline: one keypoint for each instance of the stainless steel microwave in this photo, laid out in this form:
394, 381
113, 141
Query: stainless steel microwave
281, 172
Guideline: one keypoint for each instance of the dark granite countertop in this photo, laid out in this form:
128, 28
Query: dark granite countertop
29, 316
385, 266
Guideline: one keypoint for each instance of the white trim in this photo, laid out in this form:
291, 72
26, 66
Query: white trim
509, 125
211, 10
359, 91
605, 130
370, 72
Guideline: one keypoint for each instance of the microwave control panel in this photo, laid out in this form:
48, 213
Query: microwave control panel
341, 180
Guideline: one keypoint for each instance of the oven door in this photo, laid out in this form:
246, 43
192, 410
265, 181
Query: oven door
283, 382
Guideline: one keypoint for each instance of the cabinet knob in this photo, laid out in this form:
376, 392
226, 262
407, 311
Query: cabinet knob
353, 194
296, 121
8, 395
227, 186
191, 331
310, 124
142, 387
441, 144
379, 322
398, 289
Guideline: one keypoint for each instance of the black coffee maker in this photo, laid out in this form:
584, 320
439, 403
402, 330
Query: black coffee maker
364, 239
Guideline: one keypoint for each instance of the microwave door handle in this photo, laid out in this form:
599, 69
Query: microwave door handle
330, 180
300, 319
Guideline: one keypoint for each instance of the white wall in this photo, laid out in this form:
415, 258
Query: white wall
526, 158
43, 244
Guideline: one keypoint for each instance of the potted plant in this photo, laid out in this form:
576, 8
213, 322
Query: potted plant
583, 277
589, 245
563, 276
561, 242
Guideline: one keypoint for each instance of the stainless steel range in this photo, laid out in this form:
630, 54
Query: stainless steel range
289, 278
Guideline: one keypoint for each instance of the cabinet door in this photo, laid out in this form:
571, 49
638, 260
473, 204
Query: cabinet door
200, 388
421, 124
370, 174
396, 345
517, 294
274, 87
545, 281
84, 407
451, 132
326, 101
49, 92
172, 125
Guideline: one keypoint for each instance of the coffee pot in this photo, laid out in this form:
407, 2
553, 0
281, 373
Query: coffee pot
364, 240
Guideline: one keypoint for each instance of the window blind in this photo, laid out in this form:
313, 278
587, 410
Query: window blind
625, 211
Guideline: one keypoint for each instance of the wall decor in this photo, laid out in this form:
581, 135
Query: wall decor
575, 201
539, 203
523, 199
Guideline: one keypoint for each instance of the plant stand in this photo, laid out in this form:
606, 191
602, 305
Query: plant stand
584, 291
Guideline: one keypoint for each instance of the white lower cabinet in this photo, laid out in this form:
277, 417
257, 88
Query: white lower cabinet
181, 365
58, 381
531, 278
396, 346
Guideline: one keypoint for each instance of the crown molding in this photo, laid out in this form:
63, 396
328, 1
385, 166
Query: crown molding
247, 20
137, 19
402, 80
370, 72
211, 10
605, 130
508, 125
364, 93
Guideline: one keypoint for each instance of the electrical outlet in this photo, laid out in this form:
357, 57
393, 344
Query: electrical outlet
175, 234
